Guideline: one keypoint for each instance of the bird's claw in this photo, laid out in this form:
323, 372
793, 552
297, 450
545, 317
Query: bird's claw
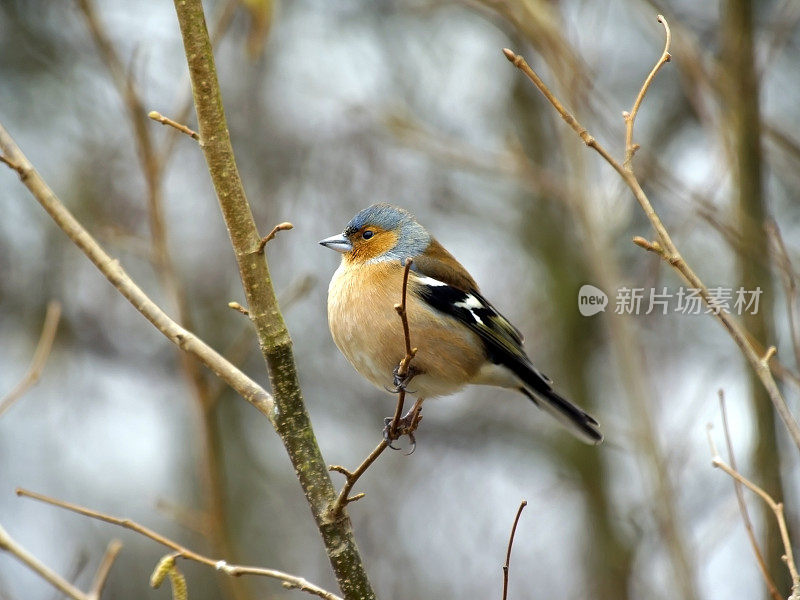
406, 425
401, 381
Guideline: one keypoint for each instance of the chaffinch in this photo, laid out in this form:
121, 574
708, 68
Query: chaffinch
462, 338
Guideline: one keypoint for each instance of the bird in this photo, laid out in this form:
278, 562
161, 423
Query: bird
461, 338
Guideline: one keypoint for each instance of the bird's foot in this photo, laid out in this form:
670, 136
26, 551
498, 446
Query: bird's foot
401, 381
406, 425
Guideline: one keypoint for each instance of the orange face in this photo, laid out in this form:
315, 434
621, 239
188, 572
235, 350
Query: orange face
370, 242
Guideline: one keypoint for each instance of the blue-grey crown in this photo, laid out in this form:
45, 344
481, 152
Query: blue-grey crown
412, 238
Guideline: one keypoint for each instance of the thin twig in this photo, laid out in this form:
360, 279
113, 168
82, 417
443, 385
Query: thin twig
630, 116
40, 355
285, 226
777, 508
522, 505
666, 248
344, 498
405, 363
8, 544
789, 286
239, 307
748, 525
100, 577
157, 116
220, 565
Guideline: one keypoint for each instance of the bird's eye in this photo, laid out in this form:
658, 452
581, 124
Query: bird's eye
367, 234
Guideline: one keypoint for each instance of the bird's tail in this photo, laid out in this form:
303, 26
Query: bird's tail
537, 387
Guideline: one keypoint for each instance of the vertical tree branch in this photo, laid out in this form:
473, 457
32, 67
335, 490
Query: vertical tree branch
291, 418
739, 95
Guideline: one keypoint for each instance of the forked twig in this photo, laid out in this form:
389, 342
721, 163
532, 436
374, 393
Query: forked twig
776, 507
290, 581
748, 525
285, 226
522, 505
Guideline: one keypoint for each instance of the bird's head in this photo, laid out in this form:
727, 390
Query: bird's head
380, 232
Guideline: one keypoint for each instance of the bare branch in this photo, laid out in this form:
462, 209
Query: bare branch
405, 364
157, 116
119, 278
630, 117
220, 565
100, 577
8, 544
522, 505
291, 419
748, 525
776, 507
344, 497
789, 285
285, 226
40, 355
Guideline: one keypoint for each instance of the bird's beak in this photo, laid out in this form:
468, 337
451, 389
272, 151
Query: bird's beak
338, 243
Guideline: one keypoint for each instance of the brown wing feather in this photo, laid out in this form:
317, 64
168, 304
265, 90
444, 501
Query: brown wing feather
439, 264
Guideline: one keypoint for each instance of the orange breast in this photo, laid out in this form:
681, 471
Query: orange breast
368, 331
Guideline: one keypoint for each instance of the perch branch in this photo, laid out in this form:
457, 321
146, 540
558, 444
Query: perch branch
522, 505
665, 247
344, 498
405, 363
40, 355
220, 565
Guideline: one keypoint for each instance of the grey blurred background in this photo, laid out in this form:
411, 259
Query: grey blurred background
333, 106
